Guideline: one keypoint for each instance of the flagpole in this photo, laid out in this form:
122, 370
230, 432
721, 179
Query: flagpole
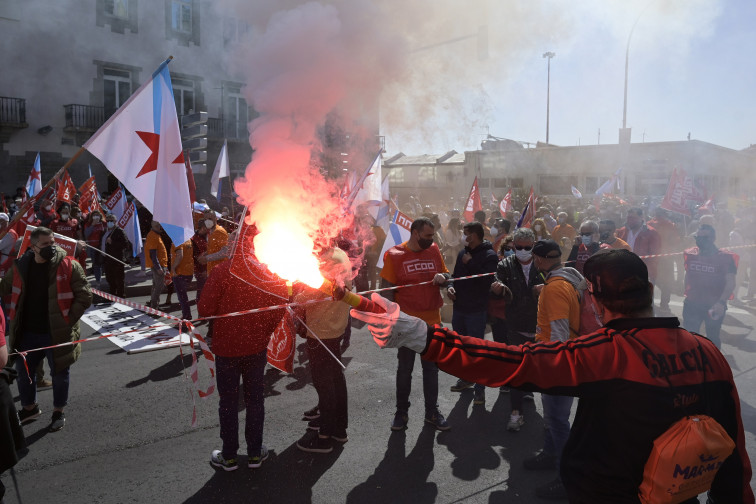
22, 211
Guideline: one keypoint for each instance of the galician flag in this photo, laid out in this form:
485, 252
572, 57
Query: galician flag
34, 182
221, 171
141, 145
576, 192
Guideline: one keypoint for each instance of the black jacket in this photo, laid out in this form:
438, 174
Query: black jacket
472, 295
522, 310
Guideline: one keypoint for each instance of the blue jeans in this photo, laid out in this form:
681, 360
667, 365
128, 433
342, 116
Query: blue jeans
60, 377
556, 419
696, 314
406, 358
181, 284
250, 368
471, 324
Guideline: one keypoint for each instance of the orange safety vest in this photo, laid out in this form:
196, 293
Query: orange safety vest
63, 284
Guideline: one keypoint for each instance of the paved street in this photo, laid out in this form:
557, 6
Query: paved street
128, 436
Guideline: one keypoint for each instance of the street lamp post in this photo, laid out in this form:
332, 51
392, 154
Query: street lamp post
548, 55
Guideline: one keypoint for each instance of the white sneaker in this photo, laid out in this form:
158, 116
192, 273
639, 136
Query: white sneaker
515, 422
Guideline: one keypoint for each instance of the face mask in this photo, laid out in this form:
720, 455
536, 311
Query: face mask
524, 255
47, 253
48, 207
96, 218
604, 236
111, 224
562, 220
508, 253
494, 231
702, 241
224, 214
425, 243
463, 240
586, 239
209, 223
537, 227
64, 216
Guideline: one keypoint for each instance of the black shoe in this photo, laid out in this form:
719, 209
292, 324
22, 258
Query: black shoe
437, 420
400, 421
528, 397
314, 425
553, 490
480, 397
542, 461
26, 416
313, 443
461, 385
341, 437
311, 414
58, 421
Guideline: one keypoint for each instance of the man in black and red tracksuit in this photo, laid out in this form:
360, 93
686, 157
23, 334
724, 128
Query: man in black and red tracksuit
635, 377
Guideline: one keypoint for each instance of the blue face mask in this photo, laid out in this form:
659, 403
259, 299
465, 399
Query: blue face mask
508, 253
586, 239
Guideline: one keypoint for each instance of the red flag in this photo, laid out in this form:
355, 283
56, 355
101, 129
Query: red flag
190, 179
681, 191
505, 205
89, 200
473, 202
66, 188
281, 346
528, 213
708, 205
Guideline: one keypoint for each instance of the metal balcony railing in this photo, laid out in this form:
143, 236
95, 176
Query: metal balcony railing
84, 117
13, 111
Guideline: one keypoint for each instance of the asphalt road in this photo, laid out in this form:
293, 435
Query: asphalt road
128, 436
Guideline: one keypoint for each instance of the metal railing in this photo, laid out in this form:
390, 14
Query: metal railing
12, 110
84, 117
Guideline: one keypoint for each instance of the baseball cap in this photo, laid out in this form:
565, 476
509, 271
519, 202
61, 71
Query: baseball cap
616, 274
547, 248
4, 216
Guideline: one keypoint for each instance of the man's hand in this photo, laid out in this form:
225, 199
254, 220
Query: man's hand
537, 289
718, 310
497, 288
466, 257
439, 279
201, 258
393, 328
451, 293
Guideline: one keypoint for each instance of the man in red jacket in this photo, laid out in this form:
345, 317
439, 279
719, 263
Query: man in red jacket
240, 345
643, 240
635, 377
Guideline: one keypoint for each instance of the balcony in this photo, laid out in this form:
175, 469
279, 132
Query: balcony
230, 129
12, 117
83, 118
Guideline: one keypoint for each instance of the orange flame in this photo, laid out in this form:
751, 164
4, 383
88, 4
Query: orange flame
287, 250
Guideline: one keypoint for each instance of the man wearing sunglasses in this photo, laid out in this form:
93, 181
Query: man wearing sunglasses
514, 281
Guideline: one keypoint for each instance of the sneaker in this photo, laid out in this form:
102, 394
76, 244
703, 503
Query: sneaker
311, 414
542, 461
26, 416
553, 490
313, 443
503, 390
218, 460
43, 384
341, 437
400, 421
437, 420
257, 460
58, 421
515, 422
461, 385
480, 397
313, 425
528, 397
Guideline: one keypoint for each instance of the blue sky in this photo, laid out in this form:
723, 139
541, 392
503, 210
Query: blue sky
692, 69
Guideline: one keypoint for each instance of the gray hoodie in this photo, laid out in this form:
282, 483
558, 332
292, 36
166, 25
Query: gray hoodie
560, 329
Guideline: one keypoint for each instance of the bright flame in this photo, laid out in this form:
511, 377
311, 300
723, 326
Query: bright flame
287, 250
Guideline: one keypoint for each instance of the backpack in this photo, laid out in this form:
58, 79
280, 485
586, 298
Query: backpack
685, 458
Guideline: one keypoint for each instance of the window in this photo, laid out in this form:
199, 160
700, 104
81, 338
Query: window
593, 183
181, 16
236, 116
116, 8
117, 89
233, 30
557, 184
396, 176
426, 175
183, 95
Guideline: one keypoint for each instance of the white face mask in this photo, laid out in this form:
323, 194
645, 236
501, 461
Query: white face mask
586, 239
537, 227
524, 255
64, 216
494, 231
96, 218
209, 223
463, 240
111, 224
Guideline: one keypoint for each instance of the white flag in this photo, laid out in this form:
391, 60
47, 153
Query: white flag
221, 170
141, 145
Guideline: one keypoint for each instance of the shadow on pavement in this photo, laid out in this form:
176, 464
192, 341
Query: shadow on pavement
285, 477
171, 369
399, 477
